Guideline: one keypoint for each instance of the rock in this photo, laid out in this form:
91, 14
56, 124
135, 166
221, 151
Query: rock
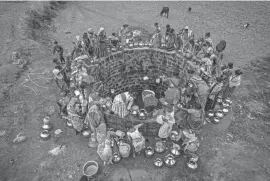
2, 133
19, 138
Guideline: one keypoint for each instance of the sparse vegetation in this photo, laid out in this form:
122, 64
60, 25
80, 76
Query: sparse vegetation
38, 22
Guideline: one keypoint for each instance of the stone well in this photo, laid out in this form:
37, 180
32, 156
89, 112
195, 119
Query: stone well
125, 69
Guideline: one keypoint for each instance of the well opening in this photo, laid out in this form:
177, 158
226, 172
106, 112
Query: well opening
124, 70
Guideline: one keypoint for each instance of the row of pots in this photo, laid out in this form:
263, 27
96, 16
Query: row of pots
216, 116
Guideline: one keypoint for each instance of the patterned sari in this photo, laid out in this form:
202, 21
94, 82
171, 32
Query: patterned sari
138, 141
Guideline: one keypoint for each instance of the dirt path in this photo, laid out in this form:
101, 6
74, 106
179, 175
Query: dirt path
224, 157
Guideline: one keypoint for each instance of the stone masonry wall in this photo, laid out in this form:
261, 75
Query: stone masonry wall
123, 70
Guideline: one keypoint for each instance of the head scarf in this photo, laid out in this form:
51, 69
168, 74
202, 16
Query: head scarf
101, 30
90, 30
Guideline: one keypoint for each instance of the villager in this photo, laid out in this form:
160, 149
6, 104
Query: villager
62, 104
75, 113
94, 118
202, 87
137, 139
59, 50
194, 114
102, 43
208, 39
167, 121
171, 40
122, 103
208, 50
104, 149
234, 82
115, 41
93, 42
149, 99
186, 36
191, 142
157, 36
216, 67
172, 94
214, 92
167, 33
59, 78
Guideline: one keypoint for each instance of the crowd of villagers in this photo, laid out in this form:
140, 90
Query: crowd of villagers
80, 102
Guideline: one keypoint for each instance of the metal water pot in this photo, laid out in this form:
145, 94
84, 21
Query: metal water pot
69, 124
174, 135
143, 114
169, 160
134, 113
192, 165
219, 99
136, 45
228, 101
175, 151
224, 104
146, 44
104, 107
150, 45
158, 162
160, 147
46, 124
86, 133
116, 157
47, 127
130, 45
220, 114
45, 135
225, 110
210, 114
141, 44
149, 152
216, 120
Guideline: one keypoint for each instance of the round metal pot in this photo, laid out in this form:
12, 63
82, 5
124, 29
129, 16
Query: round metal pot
136, 45
225, 110
116, 158
45, 135
174, 135
149, 152
86, 133
46, 120
169, 160
210, 114
158, 162
134, 113
142, 114
69, 124
216, 120
175, 152
228, 101
160, 147
219, 100
86, 170
219, 114
192, 166
47, 126
141, 44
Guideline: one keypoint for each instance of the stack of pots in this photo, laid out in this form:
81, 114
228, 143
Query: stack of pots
46, 128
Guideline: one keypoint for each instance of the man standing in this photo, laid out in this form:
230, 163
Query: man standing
59, 49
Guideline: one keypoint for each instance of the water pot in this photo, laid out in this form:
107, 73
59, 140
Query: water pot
160, 147
219, 113
176, 150
45, 135
158, 162
142, 114
169, 160
149, 152
192, 165
216, 120
86, 133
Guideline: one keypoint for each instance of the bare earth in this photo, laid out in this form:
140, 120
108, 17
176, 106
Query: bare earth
236, 149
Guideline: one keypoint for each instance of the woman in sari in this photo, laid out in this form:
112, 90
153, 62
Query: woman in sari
157, 36
167, 121
94, 119
136, 138
171, 40
122, 104
214, 92
93, 42
75, 114
234, 82
104, 149
102, 43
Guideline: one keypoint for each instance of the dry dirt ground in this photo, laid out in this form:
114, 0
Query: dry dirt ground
236, 149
